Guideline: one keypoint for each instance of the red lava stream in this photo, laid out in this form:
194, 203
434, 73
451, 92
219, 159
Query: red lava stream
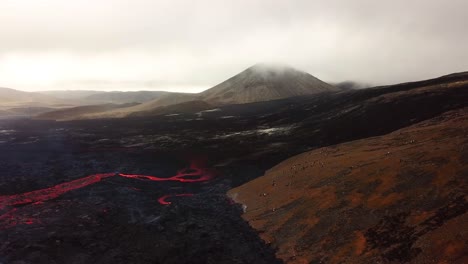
195, 173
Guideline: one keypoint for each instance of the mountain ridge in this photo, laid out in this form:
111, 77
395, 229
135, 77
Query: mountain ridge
260, 82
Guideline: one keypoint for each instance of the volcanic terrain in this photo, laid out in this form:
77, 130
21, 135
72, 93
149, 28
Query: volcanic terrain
152, 188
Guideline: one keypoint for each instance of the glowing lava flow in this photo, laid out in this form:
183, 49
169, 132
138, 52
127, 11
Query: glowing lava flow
162, 200
199, 175
195, 173
10, 219
52, 192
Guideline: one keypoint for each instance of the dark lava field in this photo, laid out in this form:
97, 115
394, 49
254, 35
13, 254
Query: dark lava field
153, 189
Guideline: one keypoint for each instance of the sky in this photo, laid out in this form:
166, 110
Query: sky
189, 46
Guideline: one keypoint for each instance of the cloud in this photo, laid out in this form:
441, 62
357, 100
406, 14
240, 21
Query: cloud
192, 45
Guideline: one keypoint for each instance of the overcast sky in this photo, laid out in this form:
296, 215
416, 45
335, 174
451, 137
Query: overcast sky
192, 45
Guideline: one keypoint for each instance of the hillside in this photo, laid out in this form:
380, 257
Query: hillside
69, 94
350, 85
394, 198
89, 97
263, 82
77, 112
124, 97
15, 98
164, 100
189, 107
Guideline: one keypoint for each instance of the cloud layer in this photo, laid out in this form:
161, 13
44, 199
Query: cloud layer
192, 45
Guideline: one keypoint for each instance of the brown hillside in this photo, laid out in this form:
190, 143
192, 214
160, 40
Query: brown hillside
398, 198
76, 112
164, 100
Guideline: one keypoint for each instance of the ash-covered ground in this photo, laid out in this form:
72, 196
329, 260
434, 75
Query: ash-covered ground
119, 219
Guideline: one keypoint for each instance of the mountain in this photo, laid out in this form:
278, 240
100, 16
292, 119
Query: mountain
397, 198
263, 82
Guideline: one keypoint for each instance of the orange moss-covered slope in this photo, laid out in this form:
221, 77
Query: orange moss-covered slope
396, 198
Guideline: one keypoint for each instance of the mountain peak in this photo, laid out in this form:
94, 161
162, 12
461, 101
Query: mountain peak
264, 82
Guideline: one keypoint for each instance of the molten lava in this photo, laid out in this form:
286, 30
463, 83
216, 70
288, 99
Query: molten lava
162, 200
195, 173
